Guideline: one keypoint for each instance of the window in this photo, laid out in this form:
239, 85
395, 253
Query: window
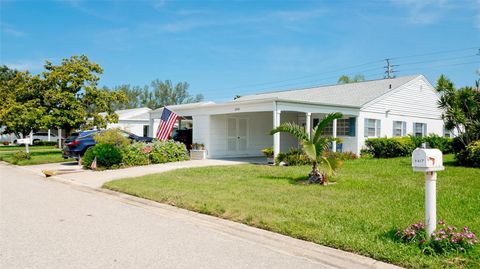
344, 127
419, 129
399, 128
372, 128
145, 130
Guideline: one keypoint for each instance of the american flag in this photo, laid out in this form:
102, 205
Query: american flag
167, 120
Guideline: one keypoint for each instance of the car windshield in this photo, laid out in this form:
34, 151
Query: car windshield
86, 133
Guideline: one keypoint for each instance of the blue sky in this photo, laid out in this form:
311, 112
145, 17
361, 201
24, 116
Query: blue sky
225, 48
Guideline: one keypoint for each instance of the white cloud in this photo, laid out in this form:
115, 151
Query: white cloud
423, 11
10, 30
25, 65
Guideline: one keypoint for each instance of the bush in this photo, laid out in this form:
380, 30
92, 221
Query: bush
390, 147
157, 152
113, 137
107, 156
293, 157
470, 156
44, 143
268, 152
445, 240
348, 155
20, 156
444, 144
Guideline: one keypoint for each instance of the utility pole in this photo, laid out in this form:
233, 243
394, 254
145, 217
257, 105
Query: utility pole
389, 69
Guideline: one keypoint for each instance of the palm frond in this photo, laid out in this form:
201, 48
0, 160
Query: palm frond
317, 131
293, 129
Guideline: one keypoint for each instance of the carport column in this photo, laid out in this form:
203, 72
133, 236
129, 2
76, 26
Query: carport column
49, 139
276, 137
150, 126
334, 143
59, 138
308, 128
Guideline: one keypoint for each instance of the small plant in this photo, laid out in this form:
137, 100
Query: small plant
198, 146
445, 240
6, 143
268, 152
20, 156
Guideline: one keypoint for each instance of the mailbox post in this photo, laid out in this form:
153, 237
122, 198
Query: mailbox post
429, 161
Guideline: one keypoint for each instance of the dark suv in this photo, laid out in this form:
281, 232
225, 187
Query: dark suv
77, 143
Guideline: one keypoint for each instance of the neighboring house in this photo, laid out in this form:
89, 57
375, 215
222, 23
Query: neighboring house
378, 108
135, 120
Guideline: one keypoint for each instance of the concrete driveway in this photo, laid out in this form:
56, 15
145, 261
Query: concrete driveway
71, 171
50, 224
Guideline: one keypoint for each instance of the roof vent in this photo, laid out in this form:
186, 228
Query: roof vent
390, 86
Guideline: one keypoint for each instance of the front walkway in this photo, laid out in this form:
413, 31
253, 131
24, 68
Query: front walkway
95, 179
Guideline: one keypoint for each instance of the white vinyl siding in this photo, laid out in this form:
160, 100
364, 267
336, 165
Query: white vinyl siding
419, 129
372, 128
399, 128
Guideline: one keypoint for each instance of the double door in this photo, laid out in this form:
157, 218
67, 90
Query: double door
237, 135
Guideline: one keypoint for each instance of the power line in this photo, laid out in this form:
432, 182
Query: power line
433, 53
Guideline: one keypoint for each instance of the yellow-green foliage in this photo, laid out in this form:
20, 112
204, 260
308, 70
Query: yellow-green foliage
113, 137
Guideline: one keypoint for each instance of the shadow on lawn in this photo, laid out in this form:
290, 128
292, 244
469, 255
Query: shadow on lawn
291, 180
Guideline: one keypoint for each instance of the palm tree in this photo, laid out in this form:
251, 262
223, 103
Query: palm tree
314, 146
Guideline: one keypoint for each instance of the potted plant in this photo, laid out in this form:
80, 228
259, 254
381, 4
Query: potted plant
198, 152
268, 152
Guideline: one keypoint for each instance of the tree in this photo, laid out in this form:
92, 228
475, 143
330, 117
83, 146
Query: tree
345, 79
161, 93
21, 94
461, 109
72, 98
315, 146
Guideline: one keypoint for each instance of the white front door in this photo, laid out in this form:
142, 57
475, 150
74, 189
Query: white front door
237, 135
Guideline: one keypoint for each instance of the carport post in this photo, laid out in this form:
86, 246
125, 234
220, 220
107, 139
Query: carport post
334, 142
49, 135
308, 128
276, 137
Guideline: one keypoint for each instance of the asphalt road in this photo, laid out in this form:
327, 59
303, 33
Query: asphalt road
47, 224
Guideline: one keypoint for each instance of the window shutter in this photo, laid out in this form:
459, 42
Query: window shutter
378, 123
351, 123
365, 127
404, 128
424, 129
393, 128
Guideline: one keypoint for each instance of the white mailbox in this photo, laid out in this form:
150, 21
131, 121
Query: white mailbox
427, 160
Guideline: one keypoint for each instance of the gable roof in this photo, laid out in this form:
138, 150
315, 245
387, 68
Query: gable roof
351, 94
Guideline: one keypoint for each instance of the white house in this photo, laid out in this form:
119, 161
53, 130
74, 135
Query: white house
377, 108
135, 120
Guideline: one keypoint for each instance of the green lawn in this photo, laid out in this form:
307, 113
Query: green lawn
39, 155
22, 147
358, 213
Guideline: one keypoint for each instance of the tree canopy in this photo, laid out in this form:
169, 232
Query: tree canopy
63, 96
461, 109
159, 94
344, 79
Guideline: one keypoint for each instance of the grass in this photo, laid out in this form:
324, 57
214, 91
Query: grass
359, 213
22, 147
39, 155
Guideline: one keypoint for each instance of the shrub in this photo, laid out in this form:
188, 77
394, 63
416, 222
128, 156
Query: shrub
168, 151
348, 155
134, 154
107, 156
20, 156
445, 240
113, 137
293, 157
268, 152
390, 147
470, 156
44, 143
444, 144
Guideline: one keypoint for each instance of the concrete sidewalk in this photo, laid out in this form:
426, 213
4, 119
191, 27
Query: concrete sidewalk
95, 179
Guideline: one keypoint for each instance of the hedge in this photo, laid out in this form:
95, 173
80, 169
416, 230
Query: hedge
390, 147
